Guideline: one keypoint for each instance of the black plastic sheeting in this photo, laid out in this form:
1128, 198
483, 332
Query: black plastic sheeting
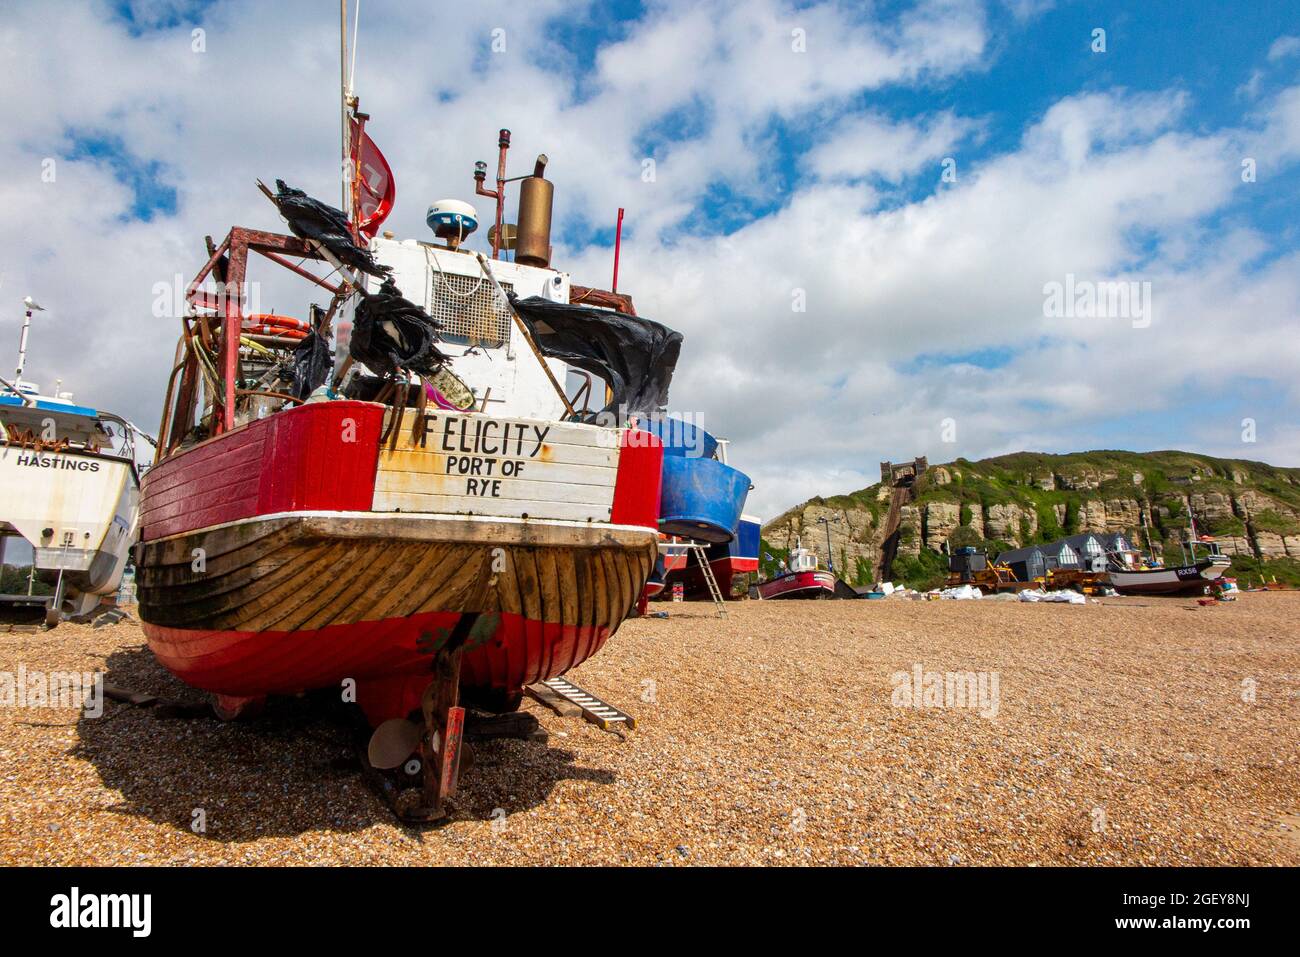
311, 365
391, 333
635, 356
309, 218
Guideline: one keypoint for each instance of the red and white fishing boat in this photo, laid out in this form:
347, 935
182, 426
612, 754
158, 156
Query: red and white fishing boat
803, 580
406, 538
731, 563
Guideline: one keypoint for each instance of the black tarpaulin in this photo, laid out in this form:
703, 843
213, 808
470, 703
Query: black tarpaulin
635, 356
309, 218
311, 365
390, 332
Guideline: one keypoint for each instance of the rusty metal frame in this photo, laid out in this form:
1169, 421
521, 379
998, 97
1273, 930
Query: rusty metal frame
227, 264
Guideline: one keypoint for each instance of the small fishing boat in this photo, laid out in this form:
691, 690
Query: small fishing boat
423, 520
1128, 574
803, 579
1189, 579
69, 500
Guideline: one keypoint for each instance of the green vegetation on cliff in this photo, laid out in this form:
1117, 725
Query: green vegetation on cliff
1029, 497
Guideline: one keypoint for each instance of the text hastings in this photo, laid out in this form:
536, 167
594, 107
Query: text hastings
78, 464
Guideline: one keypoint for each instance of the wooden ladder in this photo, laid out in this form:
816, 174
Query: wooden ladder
604, 716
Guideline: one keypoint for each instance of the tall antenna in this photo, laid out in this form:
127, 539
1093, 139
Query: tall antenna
356, 32
345, 164
29, 306
618, 242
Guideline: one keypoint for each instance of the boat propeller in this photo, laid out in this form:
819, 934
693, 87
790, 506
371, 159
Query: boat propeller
393, 742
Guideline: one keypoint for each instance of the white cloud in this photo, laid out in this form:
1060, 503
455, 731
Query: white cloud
1027, 9
1101, 188
873, 145
1104, 184
1283, 47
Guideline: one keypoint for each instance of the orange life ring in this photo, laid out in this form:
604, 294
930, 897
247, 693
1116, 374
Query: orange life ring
270, 319
275, 332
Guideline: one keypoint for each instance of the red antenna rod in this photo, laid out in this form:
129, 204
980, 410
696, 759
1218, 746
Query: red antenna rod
618, 242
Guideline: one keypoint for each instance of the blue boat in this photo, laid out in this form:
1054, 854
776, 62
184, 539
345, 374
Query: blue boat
731, 563
702, 497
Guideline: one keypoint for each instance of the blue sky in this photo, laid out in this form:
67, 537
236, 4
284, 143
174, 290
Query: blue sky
816, 172
1209, 48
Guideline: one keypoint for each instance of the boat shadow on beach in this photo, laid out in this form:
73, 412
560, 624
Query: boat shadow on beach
292, 770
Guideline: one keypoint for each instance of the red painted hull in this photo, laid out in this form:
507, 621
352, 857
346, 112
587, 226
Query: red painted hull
303, 587
818, 584
725, 571
384, 658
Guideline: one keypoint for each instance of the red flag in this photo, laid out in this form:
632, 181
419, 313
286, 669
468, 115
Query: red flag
374, 189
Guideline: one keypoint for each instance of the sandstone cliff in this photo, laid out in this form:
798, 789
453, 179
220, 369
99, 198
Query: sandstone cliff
1252, 509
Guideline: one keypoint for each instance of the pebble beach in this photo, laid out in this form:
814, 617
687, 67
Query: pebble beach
1133, 731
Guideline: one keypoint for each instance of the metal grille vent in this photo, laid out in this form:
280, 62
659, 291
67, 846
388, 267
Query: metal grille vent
468, 309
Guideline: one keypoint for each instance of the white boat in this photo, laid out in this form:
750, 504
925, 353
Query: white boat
1189, 579
1129, 576
69, 502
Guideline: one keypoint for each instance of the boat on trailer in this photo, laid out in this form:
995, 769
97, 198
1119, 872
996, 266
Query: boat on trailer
802, 580
1129, 575
421, 541
69, 502
1190, 579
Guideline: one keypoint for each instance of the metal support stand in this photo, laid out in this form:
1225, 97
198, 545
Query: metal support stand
444, 729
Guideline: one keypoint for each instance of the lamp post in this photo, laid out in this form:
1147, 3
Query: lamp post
830, 559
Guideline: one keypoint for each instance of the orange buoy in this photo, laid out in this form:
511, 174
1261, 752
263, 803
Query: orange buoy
283, 327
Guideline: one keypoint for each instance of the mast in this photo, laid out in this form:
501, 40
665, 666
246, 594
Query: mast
28, 306
618, 242
343, 105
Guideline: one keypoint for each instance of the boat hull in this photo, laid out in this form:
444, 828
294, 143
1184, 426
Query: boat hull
295, 553
1180, 580
78, 511
816, 584
284, 604
731, 563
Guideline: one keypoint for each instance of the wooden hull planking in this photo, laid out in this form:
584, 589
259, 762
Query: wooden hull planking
283, 605
293, 553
